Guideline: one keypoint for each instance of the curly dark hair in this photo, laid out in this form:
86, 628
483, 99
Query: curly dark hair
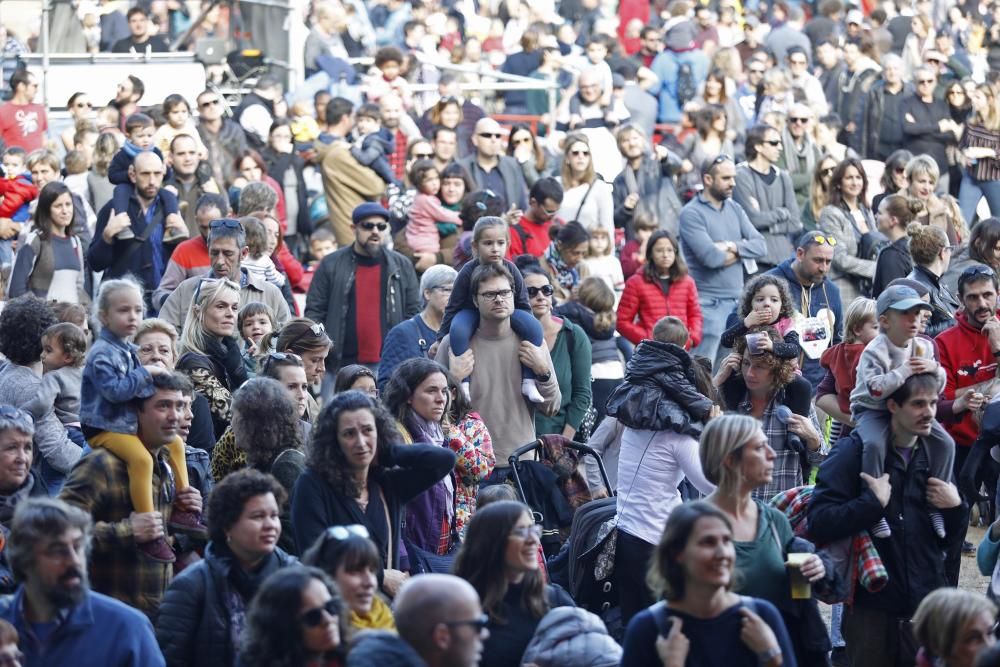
265, 421
327, 459
404, 381
783, 369
273, 636
763, 280
22, 323
230, 496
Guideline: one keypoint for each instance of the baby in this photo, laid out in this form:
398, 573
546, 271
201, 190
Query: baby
372, 143
16, 194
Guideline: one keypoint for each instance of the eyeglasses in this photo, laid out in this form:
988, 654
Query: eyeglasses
228, 223
423, 156
722, 157
314, 617
922, 82
317, 330
524, 532
973, 271
579, 153
490, 135
823, 240
497, 295
344, 532
444, 289
774, 142
828, 171
547, 290
798, 120
372, 226
208, 103
479, 624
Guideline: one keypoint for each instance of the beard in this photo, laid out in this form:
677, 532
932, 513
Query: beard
62, 595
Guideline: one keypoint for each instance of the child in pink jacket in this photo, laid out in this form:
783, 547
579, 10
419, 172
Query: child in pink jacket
422, 233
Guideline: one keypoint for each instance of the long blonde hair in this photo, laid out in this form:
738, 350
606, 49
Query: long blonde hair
568, 180
210, 290
991, 119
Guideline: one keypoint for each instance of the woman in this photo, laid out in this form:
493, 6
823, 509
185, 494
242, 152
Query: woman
941, 211
571, 357
983, 248
455, 184
50, 263
709, 139
563, 259
357, 378
81, 111
931, 254
352, 561
356, 473
819, 191
702, 621
448, 113
285, 167
500, 559
586, 196
895, 213
418, 395
825, 133
202, 617
663, 287
917, 43
980, 154
953, 627
523, 146
716, 91
309, 341
210, 349
960, 108
297, 619
893, 176
776, 98
251, 168
735, 456
847, 219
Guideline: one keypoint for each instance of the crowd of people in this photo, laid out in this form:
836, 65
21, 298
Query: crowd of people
267, 368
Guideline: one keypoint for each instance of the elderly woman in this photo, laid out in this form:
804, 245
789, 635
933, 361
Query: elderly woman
735, 455
203, 613
847, 219
939, 210
931, 254
17, 481
587, 197
953, 627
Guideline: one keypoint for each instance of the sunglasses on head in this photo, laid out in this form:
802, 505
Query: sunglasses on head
283, 356
819, 239
317, 330
547, 290
372, 226
228, 223
722, 157
344, 532
314, 617
212, 281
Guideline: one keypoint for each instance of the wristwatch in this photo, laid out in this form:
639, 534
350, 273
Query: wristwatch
544, 377
765, 657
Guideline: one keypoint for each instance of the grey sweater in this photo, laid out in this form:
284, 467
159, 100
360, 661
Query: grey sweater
772, 209
59, 390
884, 368
18, 385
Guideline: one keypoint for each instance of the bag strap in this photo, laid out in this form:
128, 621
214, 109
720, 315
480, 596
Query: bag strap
388, 527
584, 200
659, 612
139, 240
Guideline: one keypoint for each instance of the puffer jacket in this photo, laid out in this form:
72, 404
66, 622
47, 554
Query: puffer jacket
659, 393
193, 624
943, 302
643, 303
572, 637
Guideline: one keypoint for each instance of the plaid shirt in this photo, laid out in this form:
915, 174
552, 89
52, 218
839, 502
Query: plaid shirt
787, 470
99, 485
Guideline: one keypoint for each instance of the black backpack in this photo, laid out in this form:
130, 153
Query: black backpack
687, 88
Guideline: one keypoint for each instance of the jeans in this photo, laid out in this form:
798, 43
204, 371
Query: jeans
972, 191
667, 67
714, 313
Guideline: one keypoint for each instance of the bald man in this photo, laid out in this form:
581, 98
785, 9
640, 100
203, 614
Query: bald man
131, 241
440, 617
491, 169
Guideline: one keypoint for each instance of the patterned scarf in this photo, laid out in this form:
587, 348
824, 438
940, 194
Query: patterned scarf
566, 277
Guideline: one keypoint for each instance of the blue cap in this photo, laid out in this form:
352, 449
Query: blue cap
899, 297
369, 210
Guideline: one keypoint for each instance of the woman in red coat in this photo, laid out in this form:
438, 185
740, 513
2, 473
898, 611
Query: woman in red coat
663, 287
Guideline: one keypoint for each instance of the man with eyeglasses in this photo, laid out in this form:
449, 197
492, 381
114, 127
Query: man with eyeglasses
881, 118
224, 138
927, 124
530, 235
22, 122
362, 291
799, 153
58, 618
491, 169
800, 78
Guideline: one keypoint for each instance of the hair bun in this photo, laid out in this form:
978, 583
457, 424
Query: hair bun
914, 229
916, 206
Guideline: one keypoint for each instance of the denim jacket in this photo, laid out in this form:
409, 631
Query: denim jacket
112, 379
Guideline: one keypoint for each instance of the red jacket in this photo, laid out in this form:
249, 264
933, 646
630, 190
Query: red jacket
965, 354
643, 303
15, 193
842, 361
536, 238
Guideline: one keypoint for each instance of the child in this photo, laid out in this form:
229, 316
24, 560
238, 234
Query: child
461, 318
322, 242
372, 143
77, 171
113, 379
634, 252
258, 261
860, 327
16, 194
386, 78
178, 114
886, 362
602, 262
423, 233
254, 321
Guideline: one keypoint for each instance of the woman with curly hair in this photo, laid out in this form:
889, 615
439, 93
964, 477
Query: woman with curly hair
357, 472
298, 619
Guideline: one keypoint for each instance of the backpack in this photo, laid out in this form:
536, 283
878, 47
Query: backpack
687, 88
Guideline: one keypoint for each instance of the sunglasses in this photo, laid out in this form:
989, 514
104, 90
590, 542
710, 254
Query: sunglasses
316, 329
372, 226
828, 171
972, 271
823, 240
83, 105
283, 356
798, 120
213, 281
228, 223
579, 153
490, 135
722, 157
344, 532
314, 617
423, 156
922, 82
775, 143
485, 197
479, 624
547, 290
208, 103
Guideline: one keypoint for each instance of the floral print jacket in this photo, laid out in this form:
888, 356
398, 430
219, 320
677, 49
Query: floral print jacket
471, 441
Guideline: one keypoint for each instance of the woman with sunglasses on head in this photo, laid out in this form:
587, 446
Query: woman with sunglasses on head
308, 341
351, 559
500, 559
847, 219
298, 619
586, 195
893, 176
204, 612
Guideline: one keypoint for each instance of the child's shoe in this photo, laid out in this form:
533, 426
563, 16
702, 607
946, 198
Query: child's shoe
189, 523
158, 550
881, 529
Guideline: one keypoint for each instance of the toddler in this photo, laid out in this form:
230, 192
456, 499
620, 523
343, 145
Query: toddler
16, 194
461, 317
602, 262
860, 327
372, 143
322, 242
387, 79
886, 362
258, 261
113, 379
429, 219
178, 114
254, 321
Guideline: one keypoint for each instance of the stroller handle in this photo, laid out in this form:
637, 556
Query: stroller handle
537, 446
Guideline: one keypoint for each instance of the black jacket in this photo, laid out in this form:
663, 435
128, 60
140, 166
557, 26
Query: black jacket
881, 121
922, 134
944, 303
893, 262
842, 505
657, 194
659, 393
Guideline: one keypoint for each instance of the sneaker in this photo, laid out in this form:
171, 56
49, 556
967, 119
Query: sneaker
530, 390
158, 550
881, 529
968, 547
938, 522
189, 523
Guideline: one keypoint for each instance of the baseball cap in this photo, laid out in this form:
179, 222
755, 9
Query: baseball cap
369, 210
899, 297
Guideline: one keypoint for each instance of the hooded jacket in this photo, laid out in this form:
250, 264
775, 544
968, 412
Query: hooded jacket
572, 637
965, 354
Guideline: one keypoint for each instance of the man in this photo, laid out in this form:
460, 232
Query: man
852, 87
440, 616
127, 96
494, 360
646, 183
59, 620
681, 67
829, 69
491, 169
140, 41
927, 124
185, 181
347, 182
224, 138
190, 258
642, 107
799, 77
718, 242
589, 113
227, 248
799, 154
847, 501
782, 39
22, 122
142, 251
99, 485
402, 128
259, 108
766, 194
349, 283
444, 142
815, 297
521, 63
325, 35
650, 45
881, 117
530, 235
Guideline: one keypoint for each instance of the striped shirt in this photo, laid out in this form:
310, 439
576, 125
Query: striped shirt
977, 136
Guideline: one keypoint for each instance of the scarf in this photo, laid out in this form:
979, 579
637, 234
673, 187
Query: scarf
807, 154
631, 180
566, 277
378, 618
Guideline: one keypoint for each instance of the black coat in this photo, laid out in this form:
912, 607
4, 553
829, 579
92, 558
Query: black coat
893, 262
944, 303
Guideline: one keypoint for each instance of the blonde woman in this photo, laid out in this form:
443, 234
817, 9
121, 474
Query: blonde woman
586, 196
939, 210
980, 146
209, 347
953, 626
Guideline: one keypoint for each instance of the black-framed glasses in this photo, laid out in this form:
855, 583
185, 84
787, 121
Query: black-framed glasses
372, 226
479, 624
497, 295
344, 532
317, 330
208, 103
314, 617
423, 156
547, 290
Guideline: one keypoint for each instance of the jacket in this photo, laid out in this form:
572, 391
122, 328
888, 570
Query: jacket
332, 289
383, 648
921, 131
112, 379
115, 259
842, 505
571, 359
18, 387
659, 392
223, 147
515, 189
873, 121
347, 184
603, 346
97, 632
189, 259
643, 303
847, 268
772, 209
944, 303
894, 261
965, 354
654, 181
409, 339
851, 90
572, 636
194, 625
